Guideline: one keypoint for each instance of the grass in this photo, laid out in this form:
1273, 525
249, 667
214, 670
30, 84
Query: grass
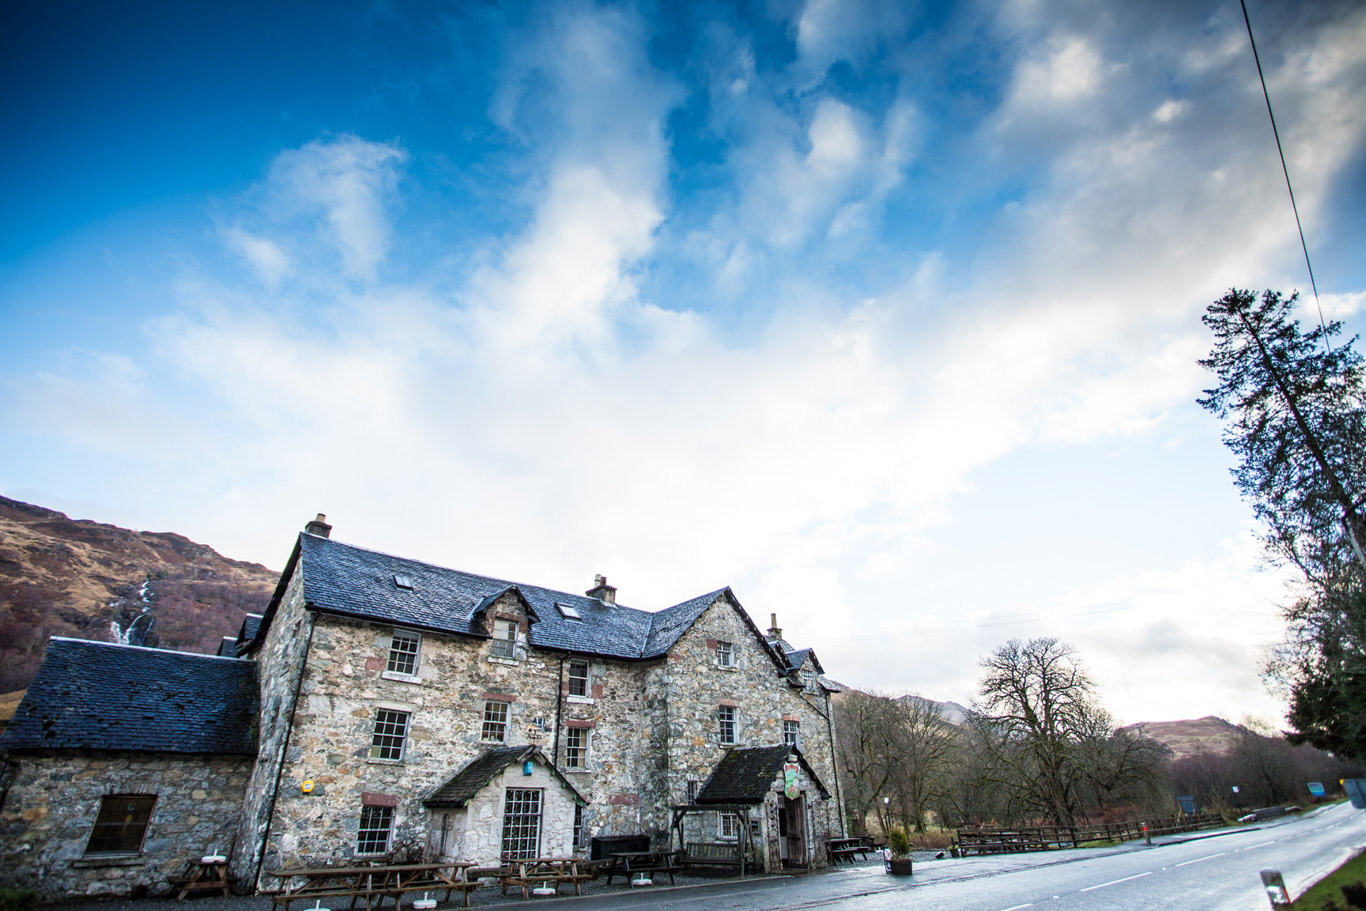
1325, 894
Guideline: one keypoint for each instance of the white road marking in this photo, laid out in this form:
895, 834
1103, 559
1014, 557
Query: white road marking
1262, 845
1202, 859
1018, 907
1115, 882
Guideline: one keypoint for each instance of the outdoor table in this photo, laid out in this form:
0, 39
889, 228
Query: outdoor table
846, 848
205, 874
624, 863
372, 883
543, 871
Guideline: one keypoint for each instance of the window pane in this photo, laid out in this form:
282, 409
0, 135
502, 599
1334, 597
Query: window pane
495, 722
791, 734
504, 639
121, 824
522, 824
576, 751
578, 678
390, 729
726, 723
403, 652
725, 654
373, 835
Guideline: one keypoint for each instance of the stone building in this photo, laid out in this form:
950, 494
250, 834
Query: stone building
404, 709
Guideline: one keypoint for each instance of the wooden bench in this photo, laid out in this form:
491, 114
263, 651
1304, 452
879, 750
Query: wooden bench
713, 854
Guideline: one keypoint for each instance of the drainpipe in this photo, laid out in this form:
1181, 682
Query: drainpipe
559, 705
284, 751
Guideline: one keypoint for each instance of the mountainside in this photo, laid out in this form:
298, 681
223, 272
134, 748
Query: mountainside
65, 577
1185, 738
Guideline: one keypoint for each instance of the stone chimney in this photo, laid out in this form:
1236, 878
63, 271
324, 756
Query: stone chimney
319, 527
773, 631
602, 591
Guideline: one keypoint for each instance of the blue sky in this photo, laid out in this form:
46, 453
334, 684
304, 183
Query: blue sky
884, 314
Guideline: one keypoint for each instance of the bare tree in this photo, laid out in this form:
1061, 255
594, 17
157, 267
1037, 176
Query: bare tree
1038, 702
866, 729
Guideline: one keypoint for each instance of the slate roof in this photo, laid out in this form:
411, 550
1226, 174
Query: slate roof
100, 696
746, 775
345, 579
475, 776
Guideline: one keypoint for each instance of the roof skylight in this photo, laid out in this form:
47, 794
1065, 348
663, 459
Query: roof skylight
570, 613
403, 581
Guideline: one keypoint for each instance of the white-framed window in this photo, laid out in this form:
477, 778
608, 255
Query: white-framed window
391, 727
121, 824
580, 829
578, 678
576, 748
495, 722
808, 679
792, 732
522, 824
728, 826
404, 648
504, 639
376, 825
726, 724
725, 654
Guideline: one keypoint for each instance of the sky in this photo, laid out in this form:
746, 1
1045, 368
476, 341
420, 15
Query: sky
884, 314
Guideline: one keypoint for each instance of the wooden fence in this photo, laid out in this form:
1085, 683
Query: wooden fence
1012, 839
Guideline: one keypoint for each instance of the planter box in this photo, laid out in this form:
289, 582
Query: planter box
899, 867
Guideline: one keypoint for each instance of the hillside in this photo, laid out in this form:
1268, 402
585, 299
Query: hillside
1185, 738
74, 577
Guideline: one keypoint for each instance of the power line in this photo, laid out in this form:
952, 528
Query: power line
1286, 171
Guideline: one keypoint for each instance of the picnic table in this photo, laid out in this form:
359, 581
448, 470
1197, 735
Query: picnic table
845, 849
205, 874
625, 863
373, 884
543, 872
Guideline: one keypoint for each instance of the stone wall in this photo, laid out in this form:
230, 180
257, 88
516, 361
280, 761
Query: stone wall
281, 657
345, 683
54, 799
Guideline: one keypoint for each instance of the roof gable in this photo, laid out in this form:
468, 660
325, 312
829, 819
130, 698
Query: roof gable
747, 775
461, 787
100, 696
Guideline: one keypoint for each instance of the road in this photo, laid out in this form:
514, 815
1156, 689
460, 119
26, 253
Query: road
1204, 871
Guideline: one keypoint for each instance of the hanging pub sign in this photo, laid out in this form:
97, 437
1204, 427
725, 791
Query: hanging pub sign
790, 789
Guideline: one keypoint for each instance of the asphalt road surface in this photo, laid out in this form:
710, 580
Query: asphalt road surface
1196, 872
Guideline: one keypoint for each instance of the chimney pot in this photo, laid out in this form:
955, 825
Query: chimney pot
773, 631
319, 527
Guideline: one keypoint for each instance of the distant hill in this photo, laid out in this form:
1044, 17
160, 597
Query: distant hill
73, 577
1185, 738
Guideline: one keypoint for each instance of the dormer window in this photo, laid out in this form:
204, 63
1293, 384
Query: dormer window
403, 582
808, 679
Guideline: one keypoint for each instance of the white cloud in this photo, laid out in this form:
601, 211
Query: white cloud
348, 180
266, 258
